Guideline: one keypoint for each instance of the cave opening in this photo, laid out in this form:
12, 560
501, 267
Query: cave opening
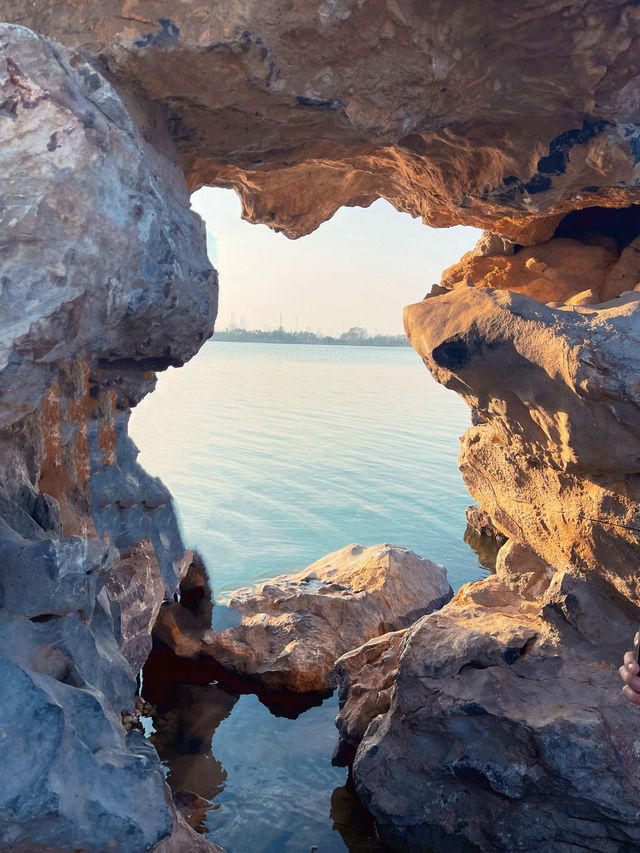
278, 453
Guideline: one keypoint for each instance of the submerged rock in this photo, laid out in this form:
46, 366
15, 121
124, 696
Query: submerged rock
482, 523
294, 627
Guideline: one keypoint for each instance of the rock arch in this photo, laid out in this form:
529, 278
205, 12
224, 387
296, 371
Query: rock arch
523, 121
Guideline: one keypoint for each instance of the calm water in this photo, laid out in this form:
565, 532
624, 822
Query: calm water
277, 455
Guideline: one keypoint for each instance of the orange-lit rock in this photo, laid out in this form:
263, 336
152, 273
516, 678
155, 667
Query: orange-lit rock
294, 627
553, 271
487, 115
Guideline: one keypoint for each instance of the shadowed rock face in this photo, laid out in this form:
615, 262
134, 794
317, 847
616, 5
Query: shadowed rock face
503, 728
508, 706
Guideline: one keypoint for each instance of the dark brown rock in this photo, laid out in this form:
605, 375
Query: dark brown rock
481, 522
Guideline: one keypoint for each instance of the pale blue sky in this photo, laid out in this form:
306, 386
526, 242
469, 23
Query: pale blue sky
358, 269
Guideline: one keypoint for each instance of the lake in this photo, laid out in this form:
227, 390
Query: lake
277, 454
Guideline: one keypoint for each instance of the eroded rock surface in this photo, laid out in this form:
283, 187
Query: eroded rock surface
481, 522
491, 115
294, 627
506, 729
104, 279
520, 118
555, 462
366, 678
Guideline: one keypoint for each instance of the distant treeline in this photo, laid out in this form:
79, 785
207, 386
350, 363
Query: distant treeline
354, 337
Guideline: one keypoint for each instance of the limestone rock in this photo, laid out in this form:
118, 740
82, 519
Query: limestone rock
625, 273
481, 522
366, 678
490, 115
96, 232
104, 280
506, 729
294, 627
494, 244
536, 464
588, 521
571, 377
136, 590
557, 270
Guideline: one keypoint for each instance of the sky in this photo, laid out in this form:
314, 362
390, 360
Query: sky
358, 269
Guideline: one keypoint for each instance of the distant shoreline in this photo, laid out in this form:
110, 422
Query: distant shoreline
348, 339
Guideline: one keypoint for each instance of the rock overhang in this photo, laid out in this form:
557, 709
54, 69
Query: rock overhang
477, 114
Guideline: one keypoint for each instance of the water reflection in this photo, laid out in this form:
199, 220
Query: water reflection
255, 782
354, 823
183, 736
485, 547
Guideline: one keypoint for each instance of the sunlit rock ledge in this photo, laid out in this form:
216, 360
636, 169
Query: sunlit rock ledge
291, 629
503, 728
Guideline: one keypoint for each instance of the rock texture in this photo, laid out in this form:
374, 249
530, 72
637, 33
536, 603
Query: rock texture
537, 463
294, 627
366, 679
506, 728
104, 279
491, 114
482, 524
521, 118
553, 271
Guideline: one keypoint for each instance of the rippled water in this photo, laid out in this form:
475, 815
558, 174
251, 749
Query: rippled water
276, 455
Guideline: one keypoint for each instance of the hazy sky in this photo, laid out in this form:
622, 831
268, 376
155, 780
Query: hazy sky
358, 269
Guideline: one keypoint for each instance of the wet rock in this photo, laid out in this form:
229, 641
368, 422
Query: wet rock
192, 807
294, 627
506, 729
481, 522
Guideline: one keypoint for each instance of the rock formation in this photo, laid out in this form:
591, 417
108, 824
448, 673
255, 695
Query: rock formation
506, 729
485, 114
366, 677
294, 627
104, 279
520, 118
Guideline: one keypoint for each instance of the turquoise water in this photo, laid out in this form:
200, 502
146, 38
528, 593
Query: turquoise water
276, 455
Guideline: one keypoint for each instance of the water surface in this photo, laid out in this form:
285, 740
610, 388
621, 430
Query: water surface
276, 455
